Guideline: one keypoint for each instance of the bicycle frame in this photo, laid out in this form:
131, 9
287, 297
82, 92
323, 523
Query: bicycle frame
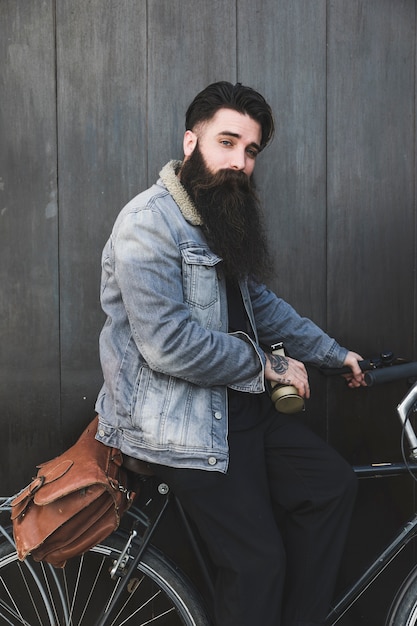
382, 560
355, 591
407, 532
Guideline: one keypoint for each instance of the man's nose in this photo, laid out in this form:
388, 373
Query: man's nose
238, 161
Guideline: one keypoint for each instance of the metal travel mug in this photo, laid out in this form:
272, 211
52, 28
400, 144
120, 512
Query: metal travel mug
285, 397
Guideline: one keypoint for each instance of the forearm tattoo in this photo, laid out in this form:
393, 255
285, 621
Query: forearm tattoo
280, 365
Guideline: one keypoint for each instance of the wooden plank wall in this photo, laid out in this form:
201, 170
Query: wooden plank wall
93, 96
29, 257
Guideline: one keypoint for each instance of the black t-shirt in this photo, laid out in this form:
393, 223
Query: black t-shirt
244, 408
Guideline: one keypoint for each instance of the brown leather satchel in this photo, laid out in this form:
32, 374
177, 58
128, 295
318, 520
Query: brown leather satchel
75, 501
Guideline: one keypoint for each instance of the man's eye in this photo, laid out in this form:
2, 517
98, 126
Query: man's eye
252, 153
226, 142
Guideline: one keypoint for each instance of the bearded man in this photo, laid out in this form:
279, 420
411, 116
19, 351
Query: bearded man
187, 369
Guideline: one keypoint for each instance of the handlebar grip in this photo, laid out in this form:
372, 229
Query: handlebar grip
391, 373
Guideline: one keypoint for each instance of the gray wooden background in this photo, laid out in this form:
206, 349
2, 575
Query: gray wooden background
93, 95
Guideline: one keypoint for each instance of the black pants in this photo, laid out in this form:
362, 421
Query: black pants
275, 524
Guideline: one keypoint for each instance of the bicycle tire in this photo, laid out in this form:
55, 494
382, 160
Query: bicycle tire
403, 611
158, 593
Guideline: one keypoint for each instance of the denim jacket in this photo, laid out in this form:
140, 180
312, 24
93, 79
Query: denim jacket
165, 350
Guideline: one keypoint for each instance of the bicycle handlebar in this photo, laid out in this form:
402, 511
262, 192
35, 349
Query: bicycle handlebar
391, 373
376, 373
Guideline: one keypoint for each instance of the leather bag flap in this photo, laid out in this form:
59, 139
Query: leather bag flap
54, 469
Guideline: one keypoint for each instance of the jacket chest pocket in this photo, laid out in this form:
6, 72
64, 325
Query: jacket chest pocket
200, 282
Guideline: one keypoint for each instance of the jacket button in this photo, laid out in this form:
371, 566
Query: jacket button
101, 432
218, 415
212, 460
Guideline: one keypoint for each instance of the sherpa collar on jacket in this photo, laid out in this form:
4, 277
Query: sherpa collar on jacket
171, 181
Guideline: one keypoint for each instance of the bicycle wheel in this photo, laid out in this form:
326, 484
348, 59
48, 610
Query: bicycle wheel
403, 611
37, 594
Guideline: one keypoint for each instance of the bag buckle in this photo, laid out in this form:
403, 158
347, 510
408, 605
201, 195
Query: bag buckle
36, 484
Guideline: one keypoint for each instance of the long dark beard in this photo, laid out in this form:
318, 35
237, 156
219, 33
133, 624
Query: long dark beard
230, 210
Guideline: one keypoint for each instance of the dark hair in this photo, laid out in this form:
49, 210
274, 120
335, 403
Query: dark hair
224, 95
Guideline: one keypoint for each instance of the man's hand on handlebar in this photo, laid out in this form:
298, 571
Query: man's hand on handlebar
357, 377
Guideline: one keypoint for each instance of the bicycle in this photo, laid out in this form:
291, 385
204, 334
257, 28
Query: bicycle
126, 580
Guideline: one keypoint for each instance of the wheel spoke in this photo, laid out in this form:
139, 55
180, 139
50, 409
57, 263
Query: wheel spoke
37, 594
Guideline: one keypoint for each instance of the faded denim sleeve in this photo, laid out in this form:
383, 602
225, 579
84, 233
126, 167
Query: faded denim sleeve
276, 320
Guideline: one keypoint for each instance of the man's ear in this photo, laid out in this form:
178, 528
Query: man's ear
189, 142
